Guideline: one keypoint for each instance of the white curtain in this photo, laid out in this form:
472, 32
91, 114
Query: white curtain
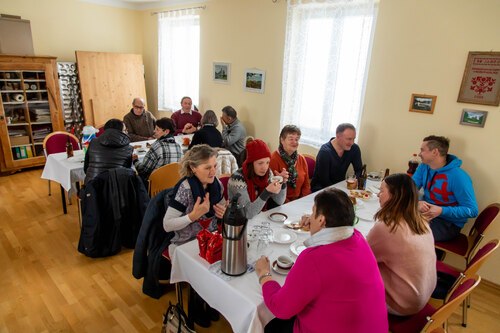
178, 58
327, 50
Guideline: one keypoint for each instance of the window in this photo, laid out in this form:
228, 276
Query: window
327, 50
178, 58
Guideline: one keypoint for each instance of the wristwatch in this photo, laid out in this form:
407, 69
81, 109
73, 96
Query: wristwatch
263, 276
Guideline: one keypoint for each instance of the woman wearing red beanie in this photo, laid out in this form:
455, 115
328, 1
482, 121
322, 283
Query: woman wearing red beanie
253, 181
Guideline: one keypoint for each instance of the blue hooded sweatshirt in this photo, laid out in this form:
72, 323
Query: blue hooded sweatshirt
450, 188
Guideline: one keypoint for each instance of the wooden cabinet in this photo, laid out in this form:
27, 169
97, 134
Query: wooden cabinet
30, 108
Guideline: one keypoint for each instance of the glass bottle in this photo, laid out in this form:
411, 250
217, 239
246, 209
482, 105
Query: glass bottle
69, 147
412, 165
362, 178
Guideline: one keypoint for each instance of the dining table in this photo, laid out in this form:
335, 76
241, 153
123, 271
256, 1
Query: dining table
239, 298
69, 173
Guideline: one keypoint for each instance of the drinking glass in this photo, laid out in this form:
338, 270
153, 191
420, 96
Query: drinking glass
351, 182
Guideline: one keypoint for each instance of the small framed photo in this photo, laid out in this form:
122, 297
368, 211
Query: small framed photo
422, 103
255, 80
473, 117
221, 72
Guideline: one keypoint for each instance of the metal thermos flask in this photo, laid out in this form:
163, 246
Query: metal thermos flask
234, 239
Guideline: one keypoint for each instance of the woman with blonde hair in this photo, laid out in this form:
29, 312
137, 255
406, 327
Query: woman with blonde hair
403, 246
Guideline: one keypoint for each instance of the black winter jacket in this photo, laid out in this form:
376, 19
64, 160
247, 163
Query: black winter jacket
148, 261
113, 206
110, 150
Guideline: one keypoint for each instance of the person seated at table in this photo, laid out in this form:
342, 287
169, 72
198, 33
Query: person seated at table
110, 150
186, 120
288, 157
334, 158
208, 133
254, 180
140, 122
334, 284
449, 198
162, 152
403, 246
197, 202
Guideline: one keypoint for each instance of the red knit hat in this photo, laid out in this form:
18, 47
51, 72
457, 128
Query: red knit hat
257, 149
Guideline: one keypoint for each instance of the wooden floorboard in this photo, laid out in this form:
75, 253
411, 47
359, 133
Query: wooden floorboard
46, 285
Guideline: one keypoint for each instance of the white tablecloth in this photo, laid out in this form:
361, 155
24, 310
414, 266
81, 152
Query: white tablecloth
240, 299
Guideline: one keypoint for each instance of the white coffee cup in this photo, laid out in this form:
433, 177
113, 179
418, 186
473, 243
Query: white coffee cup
278, 179
284, 262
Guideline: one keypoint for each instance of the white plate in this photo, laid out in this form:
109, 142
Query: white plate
280, 270
292, 224
297, 247
364, 215
284, 236
278, 217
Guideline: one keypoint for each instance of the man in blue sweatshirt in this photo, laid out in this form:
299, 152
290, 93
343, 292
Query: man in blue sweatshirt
449, 198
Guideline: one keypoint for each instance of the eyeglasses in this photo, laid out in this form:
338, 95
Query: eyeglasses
138, 107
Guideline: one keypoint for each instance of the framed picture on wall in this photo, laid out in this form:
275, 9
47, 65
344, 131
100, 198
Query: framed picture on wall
221, 72
481, 80
255, 80
471, 117
422, 103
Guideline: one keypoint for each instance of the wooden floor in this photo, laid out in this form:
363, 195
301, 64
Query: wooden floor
47, 286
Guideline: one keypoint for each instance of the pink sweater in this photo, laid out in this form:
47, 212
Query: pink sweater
332, 288
407, 263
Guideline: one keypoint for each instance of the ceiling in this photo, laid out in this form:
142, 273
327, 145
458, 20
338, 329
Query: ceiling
141, 4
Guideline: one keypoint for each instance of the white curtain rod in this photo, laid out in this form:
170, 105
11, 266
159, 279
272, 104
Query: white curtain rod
178, 10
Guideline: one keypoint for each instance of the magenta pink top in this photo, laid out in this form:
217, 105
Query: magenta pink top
332, 288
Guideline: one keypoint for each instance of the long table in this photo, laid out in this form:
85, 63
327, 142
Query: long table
68, 172
239, 299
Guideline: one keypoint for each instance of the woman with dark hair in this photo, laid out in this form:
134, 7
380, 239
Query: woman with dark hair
208, 134
288, 157
110, 150
255, 182
404, 247
334, 285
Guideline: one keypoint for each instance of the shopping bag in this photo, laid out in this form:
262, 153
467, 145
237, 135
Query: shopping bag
175, 320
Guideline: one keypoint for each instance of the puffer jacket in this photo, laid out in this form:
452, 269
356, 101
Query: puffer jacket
110, 150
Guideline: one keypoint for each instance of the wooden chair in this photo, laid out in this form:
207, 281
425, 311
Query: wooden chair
55, 142
449, 278
465, 246
430, 319
311, 163
164, 177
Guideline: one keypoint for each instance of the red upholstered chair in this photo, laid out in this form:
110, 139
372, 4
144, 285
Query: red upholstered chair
55, 142
100, 130
224, 179
450, 277
430, 319
311, 163
465, 246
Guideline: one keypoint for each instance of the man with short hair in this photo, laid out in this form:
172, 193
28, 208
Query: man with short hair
140, 122
233, 133
449, 198
334, 158
186, 121
162, 152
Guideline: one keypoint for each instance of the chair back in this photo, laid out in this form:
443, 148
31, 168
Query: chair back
164, 177
226, 162
311, 164
436, 320
480, 257
55, 142
485, 218
224, 179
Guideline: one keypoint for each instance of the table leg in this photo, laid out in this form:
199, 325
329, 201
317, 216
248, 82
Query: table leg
63, 197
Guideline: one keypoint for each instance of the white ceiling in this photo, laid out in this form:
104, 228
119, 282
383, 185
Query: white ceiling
142, 4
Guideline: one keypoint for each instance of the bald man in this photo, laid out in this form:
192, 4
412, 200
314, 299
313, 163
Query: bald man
140, 122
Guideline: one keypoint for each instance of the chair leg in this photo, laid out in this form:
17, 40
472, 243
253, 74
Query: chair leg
464, 313
50, 192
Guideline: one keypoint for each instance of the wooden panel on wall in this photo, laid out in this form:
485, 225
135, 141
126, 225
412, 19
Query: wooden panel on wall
109, 82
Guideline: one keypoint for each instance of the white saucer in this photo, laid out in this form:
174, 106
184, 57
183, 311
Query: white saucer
297, 247
280, 270
284, 236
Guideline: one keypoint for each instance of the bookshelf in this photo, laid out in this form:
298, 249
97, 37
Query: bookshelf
30, 108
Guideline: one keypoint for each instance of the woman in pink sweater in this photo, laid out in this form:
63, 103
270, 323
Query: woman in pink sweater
404, 247
335, 285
